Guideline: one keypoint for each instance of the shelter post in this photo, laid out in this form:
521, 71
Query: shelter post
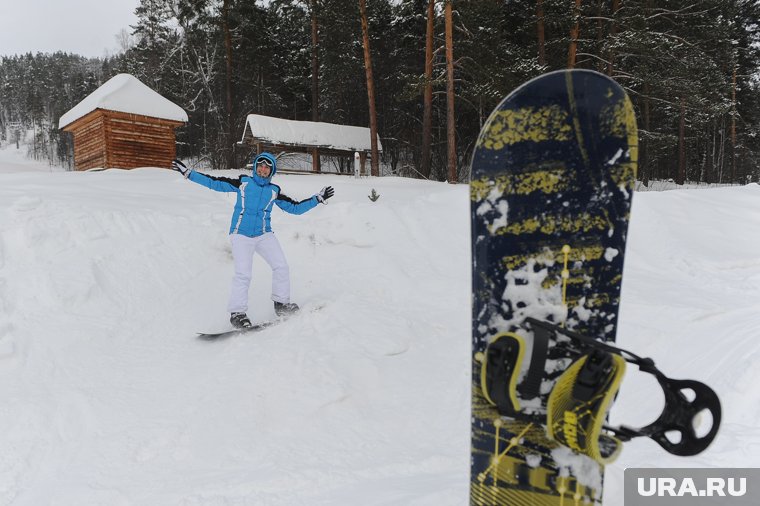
316, 167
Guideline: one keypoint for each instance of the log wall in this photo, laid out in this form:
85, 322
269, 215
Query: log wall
89, 148
111, 139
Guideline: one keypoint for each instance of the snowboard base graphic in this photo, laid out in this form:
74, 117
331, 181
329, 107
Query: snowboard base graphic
551, 186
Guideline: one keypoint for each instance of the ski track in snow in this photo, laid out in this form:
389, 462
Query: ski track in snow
109, 399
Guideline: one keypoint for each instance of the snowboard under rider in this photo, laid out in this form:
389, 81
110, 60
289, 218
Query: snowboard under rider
251, 231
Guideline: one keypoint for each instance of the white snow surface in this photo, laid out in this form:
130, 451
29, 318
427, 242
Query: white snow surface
308, 133
109, 399
125, 93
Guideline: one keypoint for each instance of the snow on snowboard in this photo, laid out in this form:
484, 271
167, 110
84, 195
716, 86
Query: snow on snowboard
551, 186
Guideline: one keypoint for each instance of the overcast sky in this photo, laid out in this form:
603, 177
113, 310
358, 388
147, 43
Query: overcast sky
85, 27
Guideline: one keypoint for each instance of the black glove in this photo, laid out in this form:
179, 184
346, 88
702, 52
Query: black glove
325, 194
180, 167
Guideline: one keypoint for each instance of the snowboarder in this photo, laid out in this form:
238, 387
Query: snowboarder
251, 232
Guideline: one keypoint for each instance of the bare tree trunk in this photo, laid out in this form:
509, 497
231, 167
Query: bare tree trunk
375, 162
599, 33
710, 156
541, 32
314, 62
315, 160
228, 150
574, 32
682, 145
427, 114
733, 125
613, 33
720, 159
644, 158
450, 119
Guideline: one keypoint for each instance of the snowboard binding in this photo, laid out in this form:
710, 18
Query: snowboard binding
573, 400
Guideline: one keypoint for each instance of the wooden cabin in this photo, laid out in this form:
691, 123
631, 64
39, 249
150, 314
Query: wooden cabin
123, 124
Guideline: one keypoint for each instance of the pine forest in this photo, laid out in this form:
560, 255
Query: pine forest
434, 70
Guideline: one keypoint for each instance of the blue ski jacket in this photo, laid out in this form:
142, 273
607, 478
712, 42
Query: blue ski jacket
255, 198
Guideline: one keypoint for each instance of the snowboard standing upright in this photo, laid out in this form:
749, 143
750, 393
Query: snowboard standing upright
552, 180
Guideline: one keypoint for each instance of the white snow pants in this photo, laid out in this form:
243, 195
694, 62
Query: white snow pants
243, 249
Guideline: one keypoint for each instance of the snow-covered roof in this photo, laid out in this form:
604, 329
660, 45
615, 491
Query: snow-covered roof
308, 133
125, 93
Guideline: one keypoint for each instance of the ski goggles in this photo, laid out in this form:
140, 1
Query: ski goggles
264, 161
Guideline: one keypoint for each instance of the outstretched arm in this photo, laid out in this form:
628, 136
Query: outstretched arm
291, 206
219, 184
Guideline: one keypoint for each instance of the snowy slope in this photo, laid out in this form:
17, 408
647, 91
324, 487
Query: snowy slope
691, 301
110, 400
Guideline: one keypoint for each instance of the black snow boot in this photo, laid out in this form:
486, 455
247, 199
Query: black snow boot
285, 309
240, 320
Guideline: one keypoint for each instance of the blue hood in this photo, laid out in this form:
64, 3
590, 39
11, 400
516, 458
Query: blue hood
261, 181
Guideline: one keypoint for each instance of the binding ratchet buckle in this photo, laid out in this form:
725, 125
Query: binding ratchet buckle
577, 404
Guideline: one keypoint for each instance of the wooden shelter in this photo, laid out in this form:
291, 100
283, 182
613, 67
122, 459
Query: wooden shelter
266, 133
123, 124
